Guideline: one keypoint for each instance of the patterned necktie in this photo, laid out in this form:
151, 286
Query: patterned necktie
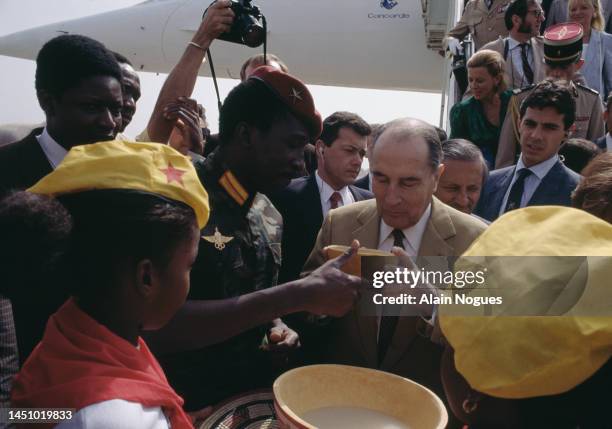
388, 323
527, 71
516, 192
335, 199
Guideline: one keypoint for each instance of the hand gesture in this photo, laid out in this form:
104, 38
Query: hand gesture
329, 291
187, 133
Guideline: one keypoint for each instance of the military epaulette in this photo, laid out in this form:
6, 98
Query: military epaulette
586, 88
518, 91
233, 187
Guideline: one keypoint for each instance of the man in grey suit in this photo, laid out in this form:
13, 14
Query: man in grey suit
605, 142
539, 177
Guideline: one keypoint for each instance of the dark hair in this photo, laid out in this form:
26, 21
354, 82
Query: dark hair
250, 102
34, 231
577, 153
555, 94
442, 135
65, 60
259, 60
464, 150
113, 227
594, 192
90, 234
406, 128
121, 59
337, 120
518, 8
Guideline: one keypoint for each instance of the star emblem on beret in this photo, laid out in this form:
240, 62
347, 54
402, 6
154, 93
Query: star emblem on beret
296, 95
173, 174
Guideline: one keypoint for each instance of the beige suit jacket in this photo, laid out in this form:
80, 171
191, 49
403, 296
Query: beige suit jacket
483, 23
513, 79
353, 338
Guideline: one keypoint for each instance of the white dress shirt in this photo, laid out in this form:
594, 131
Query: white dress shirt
412, 235
326, 191
531, 182
518, 75
52, 149
412, 242
609, 142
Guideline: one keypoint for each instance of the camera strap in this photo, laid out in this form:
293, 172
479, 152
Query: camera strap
212, 68
214, 78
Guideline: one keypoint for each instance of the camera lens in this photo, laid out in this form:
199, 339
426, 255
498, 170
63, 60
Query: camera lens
254, 35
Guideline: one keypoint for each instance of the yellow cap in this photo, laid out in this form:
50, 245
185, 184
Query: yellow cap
147, 167
528, 356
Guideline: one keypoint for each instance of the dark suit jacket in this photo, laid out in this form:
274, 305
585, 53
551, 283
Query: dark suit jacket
300, 205
363, 183
601, 142
555, 189
22, 163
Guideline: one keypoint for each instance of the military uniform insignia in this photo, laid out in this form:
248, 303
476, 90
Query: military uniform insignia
173, 174
232, 186
297, 95
218, 239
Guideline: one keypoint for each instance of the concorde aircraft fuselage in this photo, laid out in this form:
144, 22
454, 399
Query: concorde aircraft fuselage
357, 43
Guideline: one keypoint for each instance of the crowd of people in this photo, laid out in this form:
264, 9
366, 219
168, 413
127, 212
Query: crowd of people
148, 279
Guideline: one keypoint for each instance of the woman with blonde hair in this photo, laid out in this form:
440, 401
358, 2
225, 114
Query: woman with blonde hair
479, 118
597, 44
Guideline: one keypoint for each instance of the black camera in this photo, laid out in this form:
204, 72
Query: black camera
248, 27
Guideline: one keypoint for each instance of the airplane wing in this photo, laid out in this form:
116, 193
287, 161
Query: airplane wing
382, 44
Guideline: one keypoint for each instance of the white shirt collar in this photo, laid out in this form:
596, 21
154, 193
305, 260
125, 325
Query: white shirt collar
512, 43
413, 234
540, 169
52, 149
326, 191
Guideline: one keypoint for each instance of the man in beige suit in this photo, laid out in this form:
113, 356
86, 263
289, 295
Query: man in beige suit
484, 19
523, 49
406, 166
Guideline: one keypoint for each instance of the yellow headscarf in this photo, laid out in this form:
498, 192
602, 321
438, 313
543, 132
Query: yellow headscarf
148, 167
528, 356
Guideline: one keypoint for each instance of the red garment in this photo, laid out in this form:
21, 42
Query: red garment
79, 362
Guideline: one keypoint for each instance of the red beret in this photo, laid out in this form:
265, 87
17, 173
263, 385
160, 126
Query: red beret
294, 94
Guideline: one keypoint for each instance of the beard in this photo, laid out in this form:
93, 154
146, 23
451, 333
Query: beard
525, 28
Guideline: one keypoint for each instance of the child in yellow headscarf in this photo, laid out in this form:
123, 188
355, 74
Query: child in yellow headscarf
136, 211
552, 368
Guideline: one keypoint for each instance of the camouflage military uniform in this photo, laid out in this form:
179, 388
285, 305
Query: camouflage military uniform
588, 125
239, 253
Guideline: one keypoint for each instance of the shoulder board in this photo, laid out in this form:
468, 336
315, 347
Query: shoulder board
523, 89
586, 88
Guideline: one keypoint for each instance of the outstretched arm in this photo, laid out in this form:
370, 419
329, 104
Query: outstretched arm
181, 80
327, 290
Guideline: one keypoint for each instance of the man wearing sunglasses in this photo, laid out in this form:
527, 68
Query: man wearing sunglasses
523, 49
